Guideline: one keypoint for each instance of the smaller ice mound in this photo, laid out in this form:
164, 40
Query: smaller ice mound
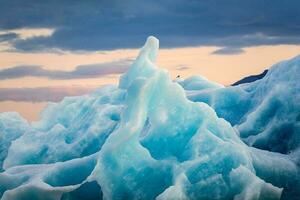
57, 181
198, 83
73, 128
274, 121
266, 114
12, 126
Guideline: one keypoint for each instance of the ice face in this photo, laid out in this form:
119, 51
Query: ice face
79, 129
265, 112
12, 126
154, 138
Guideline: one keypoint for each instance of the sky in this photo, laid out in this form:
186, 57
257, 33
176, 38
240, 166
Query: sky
57, 48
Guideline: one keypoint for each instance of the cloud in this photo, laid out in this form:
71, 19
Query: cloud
41, 94
103, 25
7, 36
182, 67
81, 71
228, 51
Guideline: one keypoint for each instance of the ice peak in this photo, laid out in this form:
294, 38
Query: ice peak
151, 48
144, 65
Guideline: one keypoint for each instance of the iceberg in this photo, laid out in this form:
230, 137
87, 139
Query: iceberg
154, 138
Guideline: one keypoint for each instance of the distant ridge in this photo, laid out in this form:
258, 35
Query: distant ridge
251, 78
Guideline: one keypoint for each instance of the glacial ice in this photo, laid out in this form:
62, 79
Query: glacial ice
154, 138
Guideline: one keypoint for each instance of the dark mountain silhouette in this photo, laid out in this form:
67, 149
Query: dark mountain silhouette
251, 78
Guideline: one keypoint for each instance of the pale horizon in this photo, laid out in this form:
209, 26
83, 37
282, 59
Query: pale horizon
223, 69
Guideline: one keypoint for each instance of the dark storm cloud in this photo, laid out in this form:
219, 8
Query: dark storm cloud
81, 71
111, 24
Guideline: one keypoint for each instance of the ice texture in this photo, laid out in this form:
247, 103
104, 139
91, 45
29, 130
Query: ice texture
265, 112
154, 138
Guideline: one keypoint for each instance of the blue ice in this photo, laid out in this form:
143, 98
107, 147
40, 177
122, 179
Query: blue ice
154, 138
